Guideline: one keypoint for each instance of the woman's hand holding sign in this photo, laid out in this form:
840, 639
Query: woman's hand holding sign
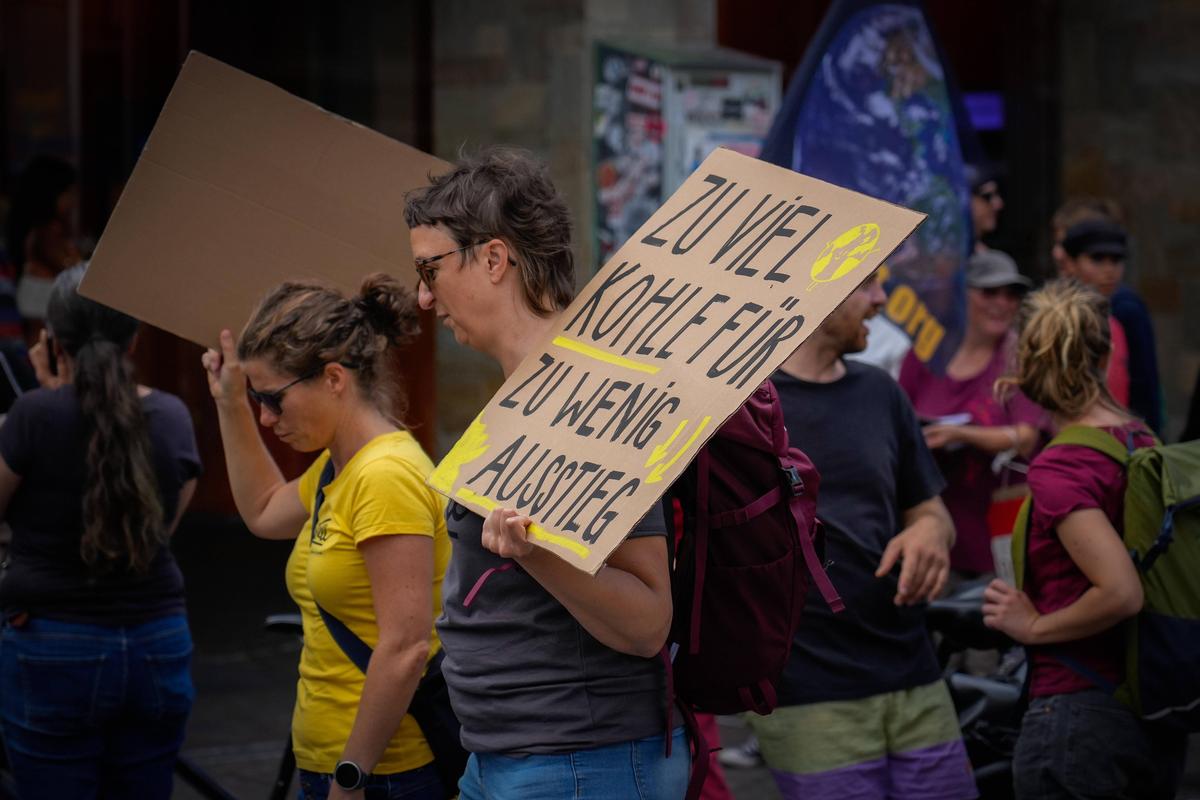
505, 533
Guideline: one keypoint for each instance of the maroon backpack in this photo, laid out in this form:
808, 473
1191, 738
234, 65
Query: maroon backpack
746, 545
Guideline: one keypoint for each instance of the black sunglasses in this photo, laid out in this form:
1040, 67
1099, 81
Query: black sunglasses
1015, 292
273, 401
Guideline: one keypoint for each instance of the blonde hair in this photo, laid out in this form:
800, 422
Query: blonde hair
1061, 351
303, 325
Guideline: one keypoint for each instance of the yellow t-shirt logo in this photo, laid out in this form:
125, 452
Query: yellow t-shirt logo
321, 533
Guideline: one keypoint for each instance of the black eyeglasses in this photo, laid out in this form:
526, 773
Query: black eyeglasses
273, 401
989, 195
427, 274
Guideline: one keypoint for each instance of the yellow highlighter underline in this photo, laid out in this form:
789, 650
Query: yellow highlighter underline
535, 530
600, 355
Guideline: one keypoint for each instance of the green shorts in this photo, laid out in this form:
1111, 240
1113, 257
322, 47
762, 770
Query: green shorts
899, 744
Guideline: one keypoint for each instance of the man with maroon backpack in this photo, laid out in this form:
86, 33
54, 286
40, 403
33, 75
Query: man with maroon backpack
864, 712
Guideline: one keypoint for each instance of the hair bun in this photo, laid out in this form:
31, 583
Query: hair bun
389, 308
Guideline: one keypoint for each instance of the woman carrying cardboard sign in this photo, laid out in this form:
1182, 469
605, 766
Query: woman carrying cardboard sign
371, 545
552, 672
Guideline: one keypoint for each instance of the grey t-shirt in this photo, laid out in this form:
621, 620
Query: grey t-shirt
524, 675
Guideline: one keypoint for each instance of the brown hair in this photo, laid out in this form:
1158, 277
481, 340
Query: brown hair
505, 193
123, 518
1083, 208
303, 325
1062, 348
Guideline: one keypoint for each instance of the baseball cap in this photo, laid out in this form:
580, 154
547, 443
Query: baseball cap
1096, 237
991, 269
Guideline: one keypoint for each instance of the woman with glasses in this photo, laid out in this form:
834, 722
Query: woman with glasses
965, 425
371, 544
95, 472
553, 673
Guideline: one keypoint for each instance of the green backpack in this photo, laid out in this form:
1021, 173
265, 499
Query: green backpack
1162, 535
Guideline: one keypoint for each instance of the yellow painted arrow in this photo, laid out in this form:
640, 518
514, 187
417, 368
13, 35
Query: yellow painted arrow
472, 444
660, 450
657, 473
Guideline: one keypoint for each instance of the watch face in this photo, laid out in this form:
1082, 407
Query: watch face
348, 775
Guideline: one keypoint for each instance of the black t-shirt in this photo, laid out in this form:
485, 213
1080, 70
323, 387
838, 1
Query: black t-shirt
44, 442
865, 440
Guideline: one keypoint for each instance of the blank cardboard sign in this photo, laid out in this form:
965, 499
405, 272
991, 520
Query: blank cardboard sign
706, 300
241, 186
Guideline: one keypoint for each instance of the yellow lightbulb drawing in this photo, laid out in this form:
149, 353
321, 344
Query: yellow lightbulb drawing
843, 254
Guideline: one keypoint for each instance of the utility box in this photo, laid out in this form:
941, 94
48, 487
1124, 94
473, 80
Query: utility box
657, 112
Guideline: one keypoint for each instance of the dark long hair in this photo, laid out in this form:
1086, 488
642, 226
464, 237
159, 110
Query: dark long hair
122, 513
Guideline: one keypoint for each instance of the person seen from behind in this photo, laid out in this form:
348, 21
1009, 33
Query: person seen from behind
1076, 739
95, 473
554, 673
373, 555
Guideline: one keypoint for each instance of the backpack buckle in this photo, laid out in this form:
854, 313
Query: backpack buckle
794, 481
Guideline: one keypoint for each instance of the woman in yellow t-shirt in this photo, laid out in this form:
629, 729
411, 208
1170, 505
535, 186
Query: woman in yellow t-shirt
317, 363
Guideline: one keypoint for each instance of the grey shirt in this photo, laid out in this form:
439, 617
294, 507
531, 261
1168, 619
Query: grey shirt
524, 675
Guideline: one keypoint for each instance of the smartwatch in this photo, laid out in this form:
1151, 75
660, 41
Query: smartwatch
349, 776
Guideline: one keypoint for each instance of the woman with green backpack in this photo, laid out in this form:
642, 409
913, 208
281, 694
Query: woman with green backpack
1080, 584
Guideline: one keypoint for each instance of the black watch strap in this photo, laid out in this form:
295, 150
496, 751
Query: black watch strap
349, 776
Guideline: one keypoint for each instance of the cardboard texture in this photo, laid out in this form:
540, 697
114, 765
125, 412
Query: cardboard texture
241, 186
705, 301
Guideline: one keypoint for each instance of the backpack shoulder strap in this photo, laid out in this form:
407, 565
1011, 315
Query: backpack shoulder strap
1078, 435
319, 498
355, 649
1020, 541
1095, 439
1085, 435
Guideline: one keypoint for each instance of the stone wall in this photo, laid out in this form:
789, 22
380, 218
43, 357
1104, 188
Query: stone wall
523, 77
1130, 99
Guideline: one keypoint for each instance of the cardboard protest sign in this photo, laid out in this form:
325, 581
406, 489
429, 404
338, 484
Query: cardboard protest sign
704, 302
241, 186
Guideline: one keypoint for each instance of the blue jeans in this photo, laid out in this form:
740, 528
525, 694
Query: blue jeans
421, 783
637, 770
95, 710
1090, 745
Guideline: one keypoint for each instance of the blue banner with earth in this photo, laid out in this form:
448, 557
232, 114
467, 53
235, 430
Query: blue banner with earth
872, 108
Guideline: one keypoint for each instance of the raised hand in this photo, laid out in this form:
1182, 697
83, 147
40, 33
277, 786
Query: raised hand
226, 381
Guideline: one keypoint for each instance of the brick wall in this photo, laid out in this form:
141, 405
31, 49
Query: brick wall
1130, 100
523, 77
